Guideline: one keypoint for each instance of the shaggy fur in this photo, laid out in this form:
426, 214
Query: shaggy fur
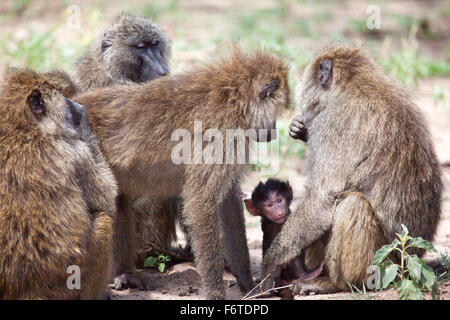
57, 201
117, 64
134, 125
371, 167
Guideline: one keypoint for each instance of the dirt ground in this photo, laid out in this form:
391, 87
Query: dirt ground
182, 281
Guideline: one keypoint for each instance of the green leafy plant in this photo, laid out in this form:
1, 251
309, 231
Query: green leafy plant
412, 276
159, 261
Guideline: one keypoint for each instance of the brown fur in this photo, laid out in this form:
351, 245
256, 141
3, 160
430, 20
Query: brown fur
57, 201
371, 167
134, 124
117, 64
155, 218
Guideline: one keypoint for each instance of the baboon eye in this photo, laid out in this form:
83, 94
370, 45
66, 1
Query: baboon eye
268, 89
36, 103
324, 73
140, 45
155, 42
105, 43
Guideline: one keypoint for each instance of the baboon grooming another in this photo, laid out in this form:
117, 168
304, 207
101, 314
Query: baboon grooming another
57, 198
135, 123
132, 49
371, 167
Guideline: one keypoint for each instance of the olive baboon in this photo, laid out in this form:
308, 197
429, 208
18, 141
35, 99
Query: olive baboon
135, 126
132, 49
371, 168
57, 201
271, 201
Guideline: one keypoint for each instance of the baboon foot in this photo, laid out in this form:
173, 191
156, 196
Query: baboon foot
131, 280
319, 286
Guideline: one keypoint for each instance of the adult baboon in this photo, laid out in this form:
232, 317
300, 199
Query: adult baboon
131, 49
135, 126
57, 197
371, 168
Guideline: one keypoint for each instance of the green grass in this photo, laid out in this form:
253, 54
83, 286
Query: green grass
37, 51
408, 65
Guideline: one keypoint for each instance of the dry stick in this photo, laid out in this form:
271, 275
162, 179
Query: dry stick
164, 251
259, 284
246, 297
267, 291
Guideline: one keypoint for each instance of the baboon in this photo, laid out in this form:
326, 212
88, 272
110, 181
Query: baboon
271, 201
136, 124
57, 199
371, 167
131, 49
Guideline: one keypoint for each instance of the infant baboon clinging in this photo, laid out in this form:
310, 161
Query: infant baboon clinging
271, 201
135, 123
57, 200
371, 167
132, 49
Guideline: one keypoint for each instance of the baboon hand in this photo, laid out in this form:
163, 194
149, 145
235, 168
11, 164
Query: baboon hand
297, 129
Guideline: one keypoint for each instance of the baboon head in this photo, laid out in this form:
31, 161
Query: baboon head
327, 78
32, 104
258, 87
135, 49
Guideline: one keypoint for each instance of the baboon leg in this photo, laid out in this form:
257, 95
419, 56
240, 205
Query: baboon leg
125, 248
155, 224
199, 216
355, 237
232, 225
99, 264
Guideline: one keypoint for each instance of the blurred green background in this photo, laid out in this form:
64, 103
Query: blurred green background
413, 43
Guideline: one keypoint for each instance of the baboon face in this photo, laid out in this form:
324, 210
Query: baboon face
271, 98
134, 49
54, 114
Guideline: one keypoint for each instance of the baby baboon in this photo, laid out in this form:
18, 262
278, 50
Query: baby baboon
371, 167
137, 129
57, 201
271, 201
132, 49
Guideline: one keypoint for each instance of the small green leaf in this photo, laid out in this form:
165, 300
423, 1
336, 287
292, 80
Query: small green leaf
150, 262
388, 275
161, 267
404, 237
147, 262
414, 267
384, 251
421, 243
409, 290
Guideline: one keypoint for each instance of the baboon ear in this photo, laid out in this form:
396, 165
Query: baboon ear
324, 73
269, 89
36, 103
250, 207
290, 192
105, 43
